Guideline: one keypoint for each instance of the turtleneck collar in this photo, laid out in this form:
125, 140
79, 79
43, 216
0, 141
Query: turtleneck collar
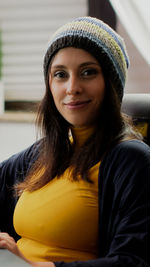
80, 135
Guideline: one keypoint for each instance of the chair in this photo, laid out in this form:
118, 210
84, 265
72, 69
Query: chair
137, 106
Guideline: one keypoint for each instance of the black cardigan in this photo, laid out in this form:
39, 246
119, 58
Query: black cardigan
124, 204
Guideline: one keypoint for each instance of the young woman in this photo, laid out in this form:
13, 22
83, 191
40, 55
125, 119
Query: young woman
84, 187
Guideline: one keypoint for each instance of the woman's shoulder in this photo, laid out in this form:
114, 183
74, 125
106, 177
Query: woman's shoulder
20, 156
18, 164
131, 147
130, 159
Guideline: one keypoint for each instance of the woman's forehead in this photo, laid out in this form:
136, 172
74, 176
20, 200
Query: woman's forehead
68, 55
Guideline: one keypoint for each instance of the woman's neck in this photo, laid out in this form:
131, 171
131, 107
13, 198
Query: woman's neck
80, 135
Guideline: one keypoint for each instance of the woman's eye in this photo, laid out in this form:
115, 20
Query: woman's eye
60, 74
89, 72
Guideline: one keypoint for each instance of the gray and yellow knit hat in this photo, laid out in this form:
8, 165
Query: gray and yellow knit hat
100, 40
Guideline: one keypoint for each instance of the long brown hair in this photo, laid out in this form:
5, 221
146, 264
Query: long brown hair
56, 152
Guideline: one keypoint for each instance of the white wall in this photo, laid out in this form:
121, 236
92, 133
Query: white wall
26, 28
15, 137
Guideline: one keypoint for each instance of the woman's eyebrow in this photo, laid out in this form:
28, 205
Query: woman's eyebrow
88, 63
58, 66
61, 66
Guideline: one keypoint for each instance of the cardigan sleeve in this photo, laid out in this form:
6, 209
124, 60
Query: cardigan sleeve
124, 208
12, 170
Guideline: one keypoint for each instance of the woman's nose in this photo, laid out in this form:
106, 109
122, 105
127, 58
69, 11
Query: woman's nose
73, 85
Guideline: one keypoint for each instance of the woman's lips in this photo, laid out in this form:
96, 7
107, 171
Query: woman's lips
77, 104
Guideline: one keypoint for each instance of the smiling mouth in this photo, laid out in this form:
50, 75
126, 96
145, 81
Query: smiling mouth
77, 104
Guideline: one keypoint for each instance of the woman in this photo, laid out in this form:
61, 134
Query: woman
84, 190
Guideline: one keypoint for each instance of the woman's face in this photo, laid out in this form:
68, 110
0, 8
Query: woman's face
77, 85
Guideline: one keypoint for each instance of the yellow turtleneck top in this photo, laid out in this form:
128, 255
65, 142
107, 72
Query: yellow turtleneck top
59, 222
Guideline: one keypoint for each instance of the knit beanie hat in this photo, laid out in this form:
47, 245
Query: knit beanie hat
100, 40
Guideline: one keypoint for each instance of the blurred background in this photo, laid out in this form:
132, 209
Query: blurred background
25, 28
